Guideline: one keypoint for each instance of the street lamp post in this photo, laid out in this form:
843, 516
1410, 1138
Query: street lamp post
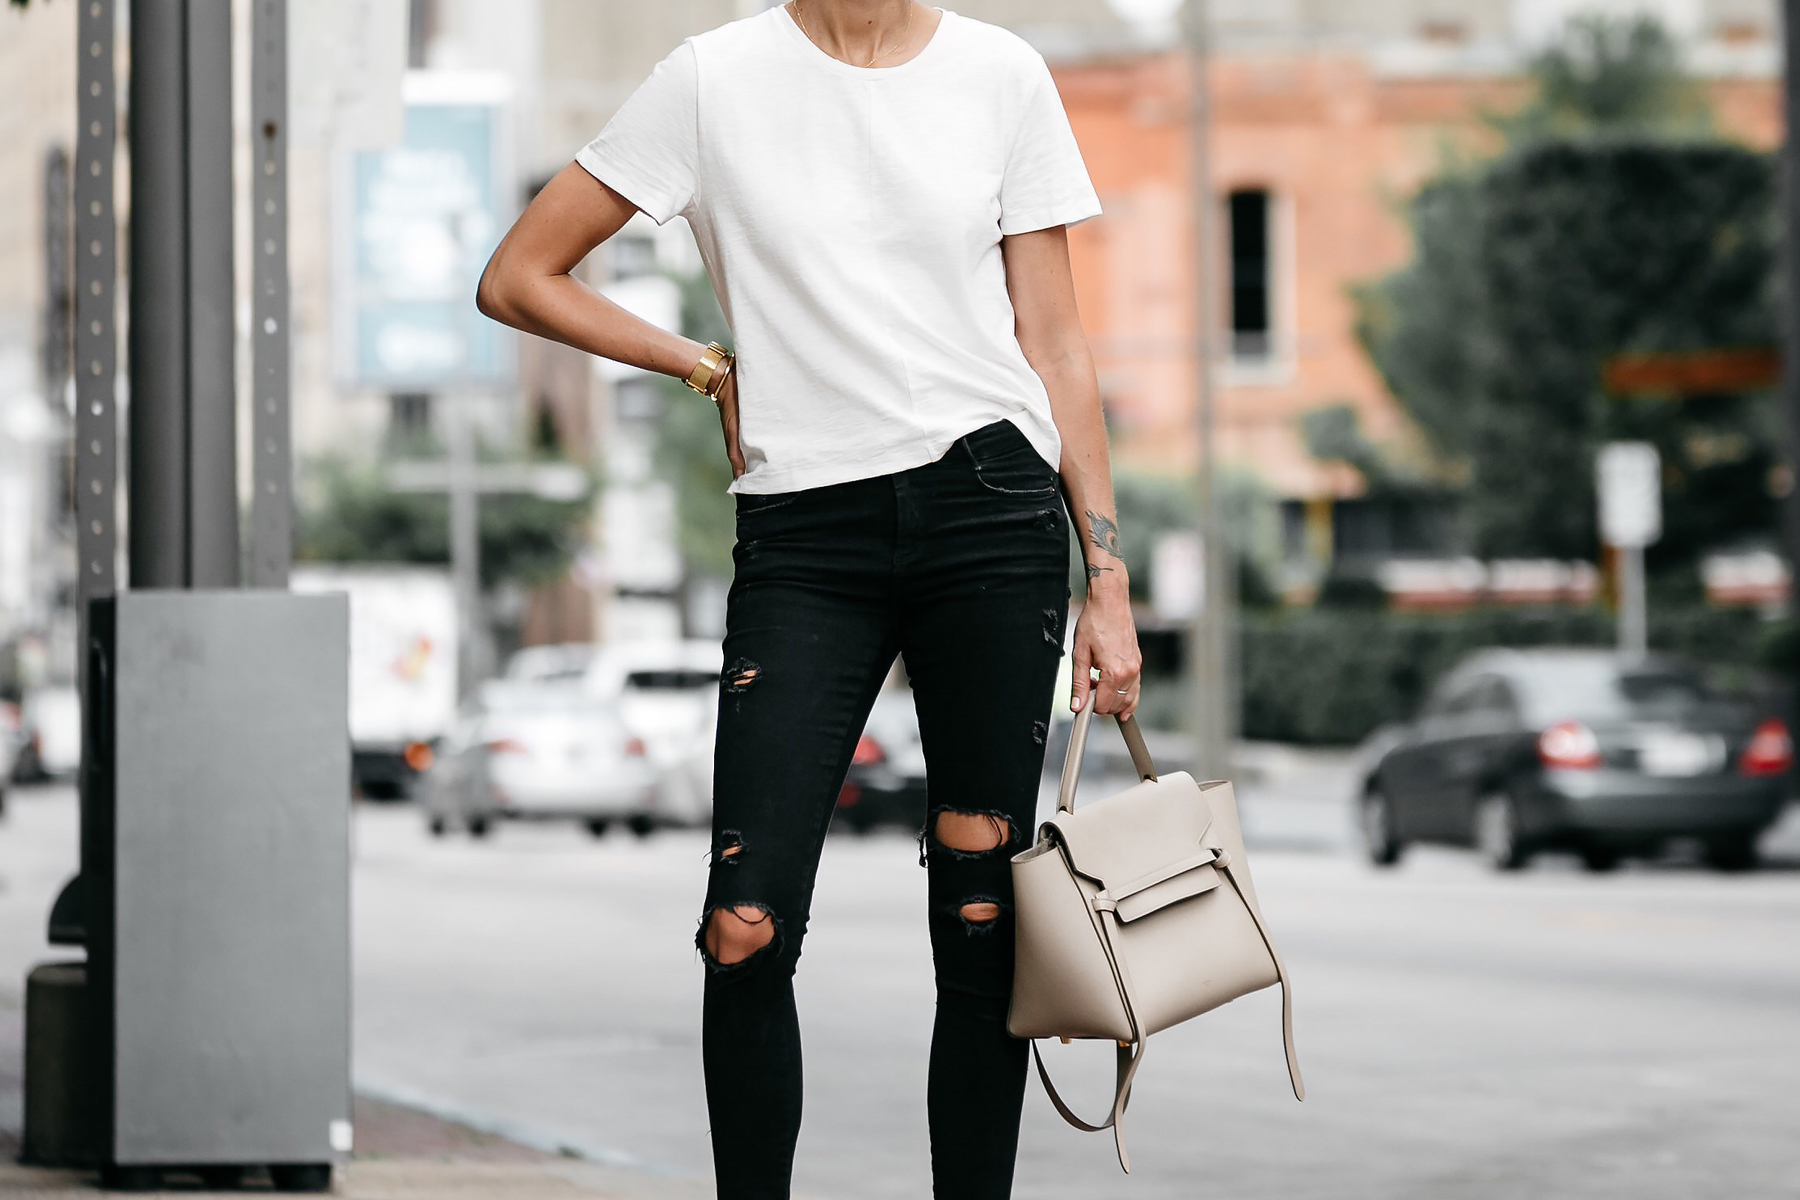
1208, 643
1790, 268
183, 422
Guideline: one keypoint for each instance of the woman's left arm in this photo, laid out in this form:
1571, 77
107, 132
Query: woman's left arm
1049, 331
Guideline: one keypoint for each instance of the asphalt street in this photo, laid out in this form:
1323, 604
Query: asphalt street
1551, 1033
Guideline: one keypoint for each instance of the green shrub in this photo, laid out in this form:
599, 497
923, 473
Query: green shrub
1334, 675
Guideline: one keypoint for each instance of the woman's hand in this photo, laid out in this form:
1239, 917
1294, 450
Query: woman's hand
728, 423
1106, 637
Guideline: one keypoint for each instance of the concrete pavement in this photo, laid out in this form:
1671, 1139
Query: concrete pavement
402, 1154
1464, 1034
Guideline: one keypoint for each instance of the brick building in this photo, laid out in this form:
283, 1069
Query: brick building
1315, 148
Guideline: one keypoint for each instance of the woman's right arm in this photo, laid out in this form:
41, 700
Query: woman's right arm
527, 283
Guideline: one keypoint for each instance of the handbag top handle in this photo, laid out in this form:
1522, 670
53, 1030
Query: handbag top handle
1071, 772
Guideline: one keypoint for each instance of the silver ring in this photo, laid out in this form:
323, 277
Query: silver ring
1123, 691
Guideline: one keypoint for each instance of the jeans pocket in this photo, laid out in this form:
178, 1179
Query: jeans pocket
1007, 462
751, 503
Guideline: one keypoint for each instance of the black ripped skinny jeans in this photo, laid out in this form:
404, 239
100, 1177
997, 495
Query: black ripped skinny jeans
961, 567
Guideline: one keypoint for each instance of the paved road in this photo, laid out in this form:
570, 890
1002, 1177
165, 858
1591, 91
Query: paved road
1464, 1035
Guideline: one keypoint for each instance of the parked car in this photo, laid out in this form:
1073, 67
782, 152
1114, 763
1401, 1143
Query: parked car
49, 734
886, 781
1579, 749
565, 662
12, 740
535, 751
668, 696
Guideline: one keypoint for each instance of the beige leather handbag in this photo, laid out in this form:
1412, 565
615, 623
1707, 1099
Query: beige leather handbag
1135, 913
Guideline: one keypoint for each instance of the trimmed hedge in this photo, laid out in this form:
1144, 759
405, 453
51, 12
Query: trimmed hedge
1334, 675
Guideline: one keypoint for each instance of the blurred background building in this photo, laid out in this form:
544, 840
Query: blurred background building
423, 126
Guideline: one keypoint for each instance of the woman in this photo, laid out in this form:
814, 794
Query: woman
880, 192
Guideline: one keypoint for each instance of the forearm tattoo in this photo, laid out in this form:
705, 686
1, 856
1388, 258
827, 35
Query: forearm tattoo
1103, 531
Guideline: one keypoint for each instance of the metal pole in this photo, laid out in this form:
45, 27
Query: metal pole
271, 506
184, 512
1790, 266
1633, 610
465, 543
58, 313
96, 333
159, 287
95, 366
212, 327
1207, 649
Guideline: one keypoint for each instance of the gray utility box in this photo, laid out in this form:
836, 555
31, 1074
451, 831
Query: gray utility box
217, 849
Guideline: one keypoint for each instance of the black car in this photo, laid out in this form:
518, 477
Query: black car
1522, 750
886, 781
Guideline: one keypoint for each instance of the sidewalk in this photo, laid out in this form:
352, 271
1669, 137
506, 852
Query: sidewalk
407, 1155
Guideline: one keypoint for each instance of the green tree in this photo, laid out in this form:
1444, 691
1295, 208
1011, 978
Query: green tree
1534, 268
1610, 77
350, 515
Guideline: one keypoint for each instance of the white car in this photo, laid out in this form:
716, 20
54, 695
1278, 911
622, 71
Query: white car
668, 695
51, 723
563, 663
540, 751
12, 739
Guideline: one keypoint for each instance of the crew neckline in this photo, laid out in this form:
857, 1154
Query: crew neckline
832, 62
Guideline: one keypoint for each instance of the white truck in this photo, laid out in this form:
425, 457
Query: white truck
403, 685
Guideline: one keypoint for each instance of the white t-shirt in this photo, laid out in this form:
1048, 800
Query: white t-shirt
850, 219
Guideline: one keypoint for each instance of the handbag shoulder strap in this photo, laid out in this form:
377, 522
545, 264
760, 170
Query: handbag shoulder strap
1129, 1059
1071, 771
1287, 998
1130, 1054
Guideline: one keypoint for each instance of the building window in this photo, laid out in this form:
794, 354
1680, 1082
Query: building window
1252, 326
639, 398
409, 420
1443, 31
1741, 32
632, 256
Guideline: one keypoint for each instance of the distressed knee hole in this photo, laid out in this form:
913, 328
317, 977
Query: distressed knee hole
980, 912
971, 833
741, 674
735, 934
729, 849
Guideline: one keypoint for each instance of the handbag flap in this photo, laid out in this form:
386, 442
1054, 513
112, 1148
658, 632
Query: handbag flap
1141, 835
1190, 882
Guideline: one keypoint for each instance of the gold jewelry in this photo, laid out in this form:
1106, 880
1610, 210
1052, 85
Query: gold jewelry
716, 385
905, 28
710, 372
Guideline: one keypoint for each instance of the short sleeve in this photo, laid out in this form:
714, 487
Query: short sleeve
1045, 181
648, 152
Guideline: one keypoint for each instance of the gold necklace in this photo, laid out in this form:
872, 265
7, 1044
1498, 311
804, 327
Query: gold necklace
905, 28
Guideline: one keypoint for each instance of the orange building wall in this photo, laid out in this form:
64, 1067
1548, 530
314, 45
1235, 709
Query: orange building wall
1339, 150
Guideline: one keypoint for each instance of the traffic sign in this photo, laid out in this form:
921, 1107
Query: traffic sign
1629, 481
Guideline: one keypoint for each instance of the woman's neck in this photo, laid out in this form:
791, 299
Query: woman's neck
858, 30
